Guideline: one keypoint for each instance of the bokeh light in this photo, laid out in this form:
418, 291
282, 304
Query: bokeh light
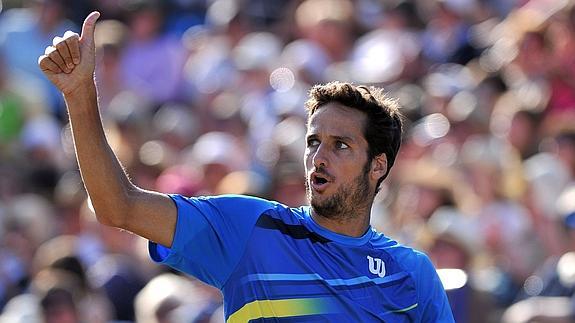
452, 278
282, 79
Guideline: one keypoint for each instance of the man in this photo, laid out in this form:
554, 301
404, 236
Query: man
318, 263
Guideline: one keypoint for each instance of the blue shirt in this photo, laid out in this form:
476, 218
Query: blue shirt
274, 263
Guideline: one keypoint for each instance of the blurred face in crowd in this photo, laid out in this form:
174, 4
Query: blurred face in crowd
337, 170
145, 24
50, 13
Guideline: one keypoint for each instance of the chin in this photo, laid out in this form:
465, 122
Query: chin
313, 195
315, 201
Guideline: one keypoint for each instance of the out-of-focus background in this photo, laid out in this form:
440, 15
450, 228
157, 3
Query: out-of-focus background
206, 97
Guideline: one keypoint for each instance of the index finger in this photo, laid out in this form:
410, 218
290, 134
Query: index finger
72, 40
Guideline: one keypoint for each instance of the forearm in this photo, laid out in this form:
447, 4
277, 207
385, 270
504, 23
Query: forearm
104, 178
69, 64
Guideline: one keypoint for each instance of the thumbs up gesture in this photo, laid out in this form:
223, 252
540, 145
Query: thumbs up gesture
69, 63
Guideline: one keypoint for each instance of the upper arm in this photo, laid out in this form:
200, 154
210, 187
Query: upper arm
151, 215
210, 235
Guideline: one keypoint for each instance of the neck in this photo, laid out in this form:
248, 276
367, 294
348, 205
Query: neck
353, 226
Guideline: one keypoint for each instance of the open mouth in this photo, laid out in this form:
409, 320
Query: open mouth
319, 181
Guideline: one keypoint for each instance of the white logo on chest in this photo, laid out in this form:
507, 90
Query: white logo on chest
376, 266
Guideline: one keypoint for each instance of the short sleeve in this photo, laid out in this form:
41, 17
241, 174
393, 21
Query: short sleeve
211, 235
433, 302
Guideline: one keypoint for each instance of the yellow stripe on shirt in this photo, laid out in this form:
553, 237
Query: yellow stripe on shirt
282, 308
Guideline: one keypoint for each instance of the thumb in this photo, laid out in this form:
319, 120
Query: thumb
88, 28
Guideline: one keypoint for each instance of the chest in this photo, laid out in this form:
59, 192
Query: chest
287, 262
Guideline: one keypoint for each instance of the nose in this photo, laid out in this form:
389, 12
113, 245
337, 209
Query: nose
320, 156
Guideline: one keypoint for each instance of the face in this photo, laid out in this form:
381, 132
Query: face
339, 177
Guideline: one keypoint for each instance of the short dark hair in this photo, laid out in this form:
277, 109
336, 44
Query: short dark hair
384, 123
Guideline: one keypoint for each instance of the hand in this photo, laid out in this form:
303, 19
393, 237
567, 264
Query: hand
69, 63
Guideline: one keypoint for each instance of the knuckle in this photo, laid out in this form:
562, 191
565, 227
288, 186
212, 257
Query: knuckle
72, 37
46, 65
61, 46
71, 42
53, 54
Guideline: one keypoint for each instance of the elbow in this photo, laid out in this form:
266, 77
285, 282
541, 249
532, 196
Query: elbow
116, 212
110, 218
110, 214
106, 219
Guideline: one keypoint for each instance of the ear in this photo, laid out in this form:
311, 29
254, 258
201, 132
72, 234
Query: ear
378, 166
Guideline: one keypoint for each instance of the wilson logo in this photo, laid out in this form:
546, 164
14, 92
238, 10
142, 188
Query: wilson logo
376, 266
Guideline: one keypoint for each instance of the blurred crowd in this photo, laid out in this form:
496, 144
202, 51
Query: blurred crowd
206, 97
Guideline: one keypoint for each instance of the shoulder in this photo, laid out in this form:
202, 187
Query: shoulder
431, 298
235, 199
230, 204
408, 256
410, 260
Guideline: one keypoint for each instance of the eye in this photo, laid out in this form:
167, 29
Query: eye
341, 145
312, 142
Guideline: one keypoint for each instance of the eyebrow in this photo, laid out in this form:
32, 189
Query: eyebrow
340, 138
344, 138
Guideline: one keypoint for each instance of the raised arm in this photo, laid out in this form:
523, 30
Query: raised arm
69, 64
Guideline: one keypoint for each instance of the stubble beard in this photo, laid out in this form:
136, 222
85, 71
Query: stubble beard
345, 203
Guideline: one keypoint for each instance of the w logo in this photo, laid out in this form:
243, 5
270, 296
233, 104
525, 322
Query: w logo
376, 266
